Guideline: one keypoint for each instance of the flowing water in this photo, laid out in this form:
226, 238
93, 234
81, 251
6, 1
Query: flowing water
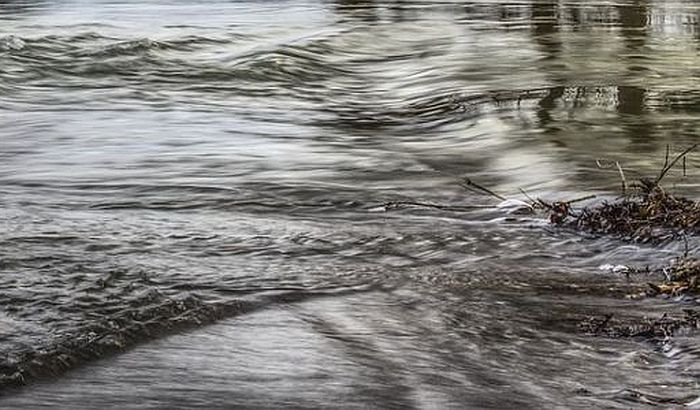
240, 153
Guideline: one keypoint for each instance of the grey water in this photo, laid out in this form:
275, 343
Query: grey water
245, 151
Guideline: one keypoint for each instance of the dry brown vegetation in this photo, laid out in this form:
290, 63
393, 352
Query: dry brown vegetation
648, 214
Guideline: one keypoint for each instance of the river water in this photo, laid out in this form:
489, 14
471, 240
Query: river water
241, 153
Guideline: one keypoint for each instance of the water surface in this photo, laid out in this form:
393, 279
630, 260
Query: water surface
243, 151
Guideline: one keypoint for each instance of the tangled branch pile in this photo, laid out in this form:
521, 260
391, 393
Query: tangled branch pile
650, 214
647, 213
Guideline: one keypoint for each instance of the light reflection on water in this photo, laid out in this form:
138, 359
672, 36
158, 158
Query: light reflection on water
239, 150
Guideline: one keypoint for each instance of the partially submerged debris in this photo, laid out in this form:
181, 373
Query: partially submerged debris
681, 277
647, 213
650, 214
646, 328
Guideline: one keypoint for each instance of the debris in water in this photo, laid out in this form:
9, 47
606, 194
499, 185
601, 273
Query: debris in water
682, 277
647, 328
650, 215
647, 214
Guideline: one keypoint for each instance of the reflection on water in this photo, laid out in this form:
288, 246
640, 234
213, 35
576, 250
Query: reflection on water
240, 152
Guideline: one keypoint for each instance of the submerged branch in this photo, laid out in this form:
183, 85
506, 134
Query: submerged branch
667, 166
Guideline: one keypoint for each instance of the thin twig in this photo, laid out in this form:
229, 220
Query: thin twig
684, 168
583, 198
468, 183
622, 176
608, 164
687, 248
599, 163
544, 204
396, 204
670, 165
532, 201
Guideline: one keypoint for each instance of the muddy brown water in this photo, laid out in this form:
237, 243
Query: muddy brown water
240, 152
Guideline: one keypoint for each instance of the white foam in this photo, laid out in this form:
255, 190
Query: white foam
9, 43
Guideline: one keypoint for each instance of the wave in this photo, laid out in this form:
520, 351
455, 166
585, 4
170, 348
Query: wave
148, 317
98, 45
